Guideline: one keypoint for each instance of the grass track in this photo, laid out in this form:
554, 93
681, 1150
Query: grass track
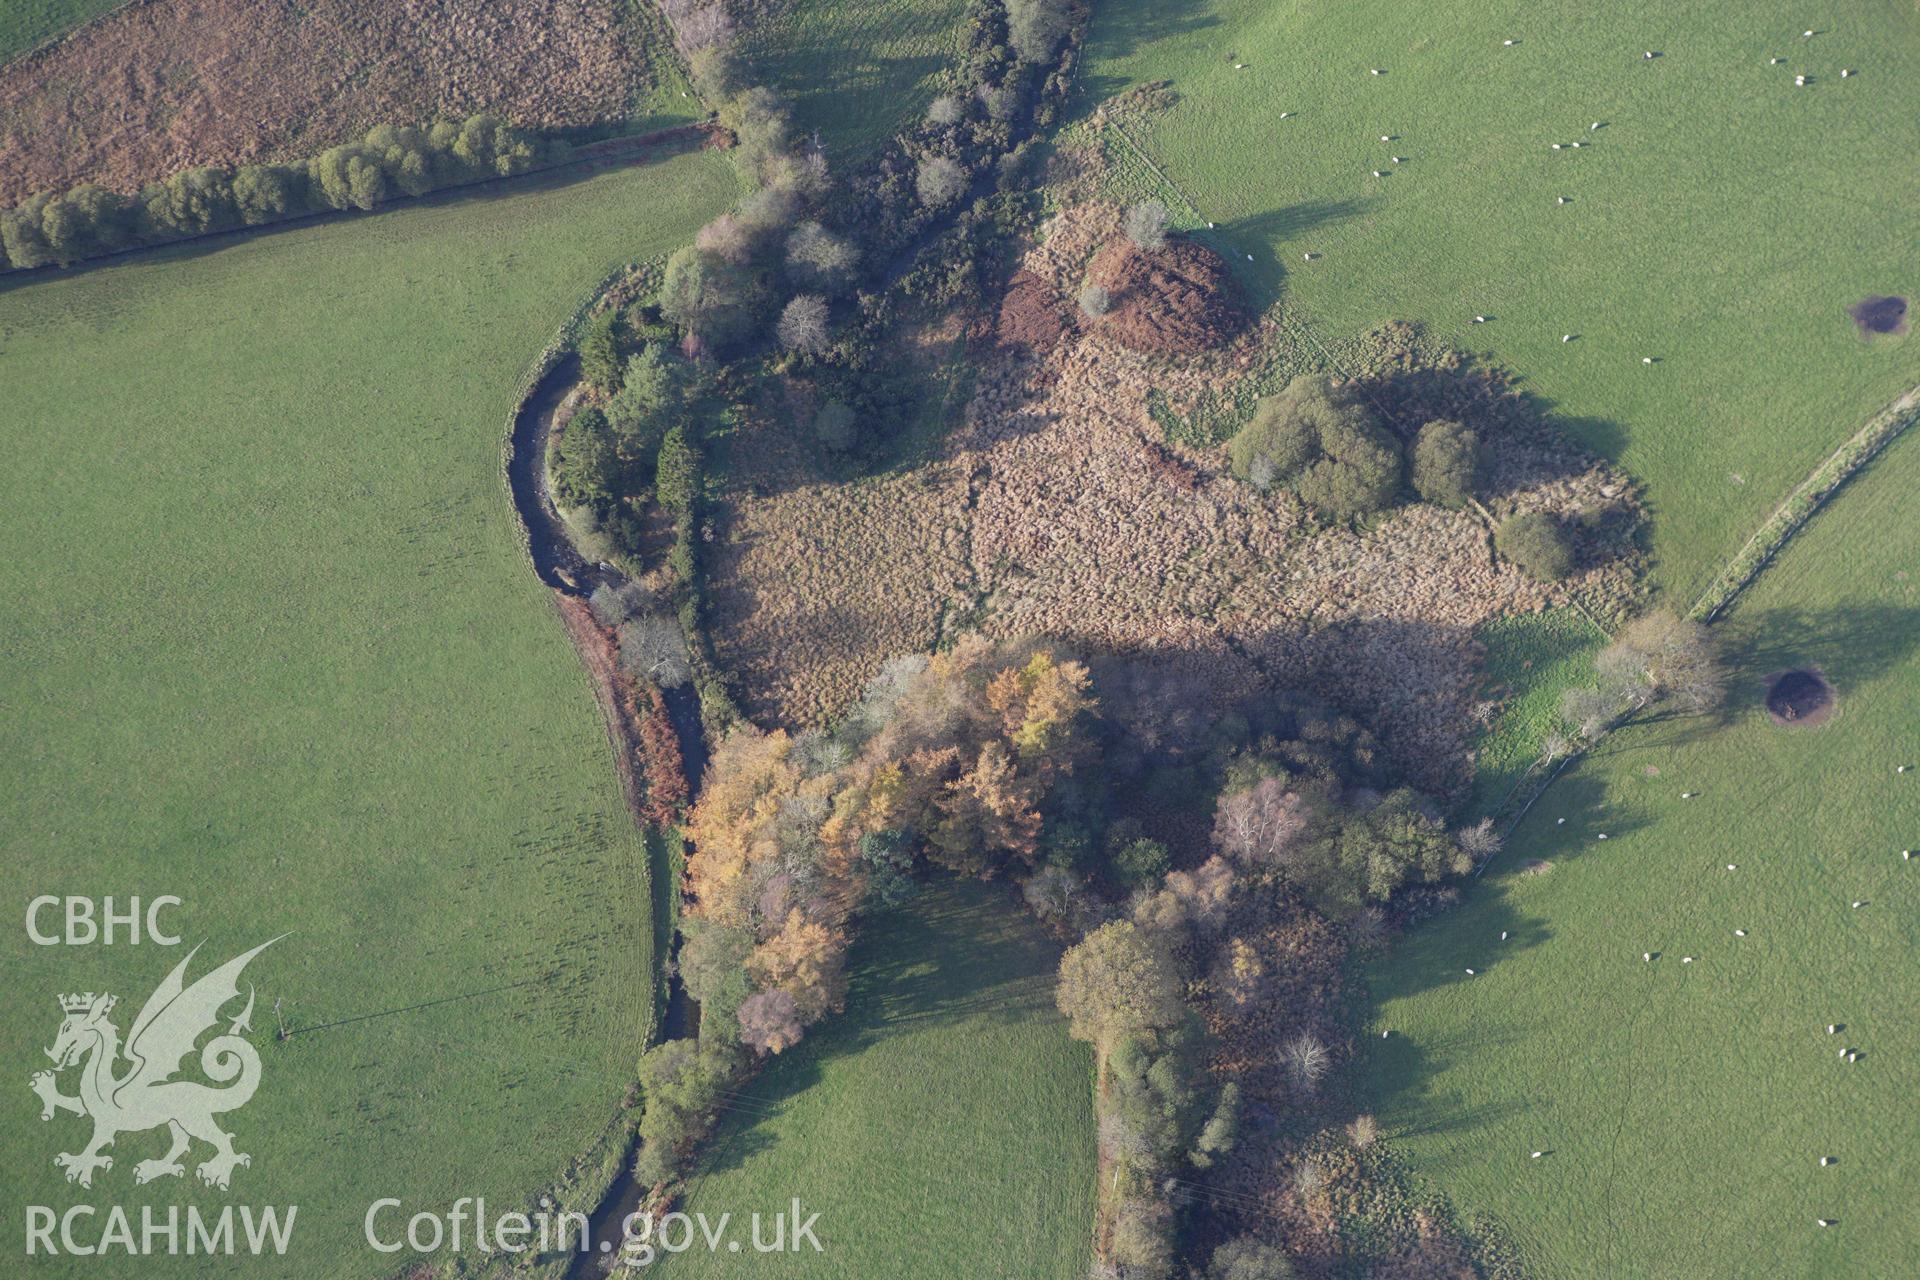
942, 1127
1687, 1106
1722, 221
273, 648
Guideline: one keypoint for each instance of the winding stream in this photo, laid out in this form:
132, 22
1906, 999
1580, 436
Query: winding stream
560, 566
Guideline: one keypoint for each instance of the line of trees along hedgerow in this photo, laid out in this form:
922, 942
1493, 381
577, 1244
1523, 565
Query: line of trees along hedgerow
391, 161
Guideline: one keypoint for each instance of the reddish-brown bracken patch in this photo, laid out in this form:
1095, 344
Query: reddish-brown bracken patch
169, 84
1176, 300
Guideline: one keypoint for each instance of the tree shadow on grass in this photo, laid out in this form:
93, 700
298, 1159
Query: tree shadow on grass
958, 953
1122, 28
1852, 646
1247, 243
1855, 645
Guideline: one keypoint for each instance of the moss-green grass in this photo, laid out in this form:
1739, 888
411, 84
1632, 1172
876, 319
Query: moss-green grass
941, 1127
855, 70
1721, 222
273, 647
1685, 1107
27, 23
1531, 659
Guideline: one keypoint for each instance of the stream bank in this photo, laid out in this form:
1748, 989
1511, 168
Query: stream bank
573, 579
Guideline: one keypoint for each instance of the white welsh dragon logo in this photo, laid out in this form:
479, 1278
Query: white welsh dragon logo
145, 1096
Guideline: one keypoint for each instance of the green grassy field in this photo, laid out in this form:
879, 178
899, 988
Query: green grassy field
1685, 1107
855, 70
1721, 222
942, 1127
26, 23
273, 647
1531, 659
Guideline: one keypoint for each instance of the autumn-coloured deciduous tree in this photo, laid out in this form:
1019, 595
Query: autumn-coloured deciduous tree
807, 960
1119, 982
770, 1022
950, 758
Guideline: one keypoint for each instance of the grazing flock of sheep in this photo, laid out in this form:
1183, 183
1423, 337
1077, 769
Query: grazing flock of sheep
1649, 55
1847, 1054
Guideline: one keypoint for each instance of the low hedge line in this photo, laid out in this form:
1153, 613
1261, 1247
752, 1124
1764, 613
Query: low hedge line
392, 161
1881, 430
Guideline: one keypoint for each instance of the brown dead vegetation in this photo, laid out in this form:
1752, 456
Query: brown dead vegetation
1058, 509
1032, 315
1177, 300
169, 84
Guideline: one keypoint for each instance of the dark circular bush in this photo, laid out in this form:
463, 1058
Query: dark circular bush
1325, 444
1538, 543
1446, 463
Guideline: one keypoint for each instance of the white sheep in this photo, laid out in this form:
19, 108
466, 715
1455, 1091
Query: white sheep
1906, 855
1377, 71
1646, 359
1508, 43
1470, 973
1845, 72
1503, 935
1686, 959
1857, 904
1386, 137
1378, 174
1286, 115
1825, 1222
1853, 1055
1560, 200
1733, 866
1594, 125
1739, 933
1602, 835
1825, 1161
1556, 146
1833, 1028
1647, 956
1688, 795
1483, 320
1536, 1155
1648, 55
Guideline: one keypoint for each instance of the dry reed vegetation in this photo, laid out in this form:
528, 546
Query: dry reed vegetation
1057, 509
170, 84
